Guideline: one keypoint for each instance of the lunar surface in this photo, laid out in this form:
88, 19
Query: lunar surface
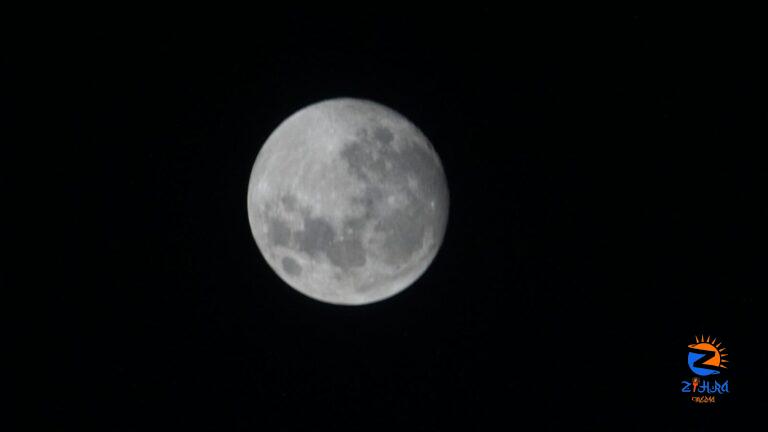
348, 202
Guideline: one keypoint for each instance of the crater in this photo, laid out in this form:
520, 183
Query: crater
291, 266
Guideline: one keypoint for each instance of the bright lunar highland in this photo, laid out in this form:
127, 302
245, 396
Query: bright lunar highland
348, 201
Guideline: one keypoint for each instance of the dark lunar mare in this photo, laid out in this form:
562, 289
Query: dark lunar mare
317, 237
375, 161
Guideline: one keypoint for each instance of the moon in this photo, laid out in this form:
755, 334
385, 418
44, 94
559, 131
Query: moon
348, 201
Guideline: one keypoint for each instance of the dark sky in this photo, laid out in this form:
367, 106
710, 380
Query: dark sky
607, 180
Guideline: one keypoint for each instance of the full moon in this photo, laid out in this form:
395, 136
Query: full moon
348, 202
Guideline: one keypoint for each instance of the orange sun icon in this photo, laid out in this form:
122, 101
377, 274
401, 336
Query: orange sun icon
707, 356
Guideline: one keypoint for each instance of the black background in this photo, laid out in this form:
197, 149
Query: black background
607, 204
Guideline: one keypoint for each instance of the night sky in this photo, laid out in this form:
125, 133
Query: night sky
607, 183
